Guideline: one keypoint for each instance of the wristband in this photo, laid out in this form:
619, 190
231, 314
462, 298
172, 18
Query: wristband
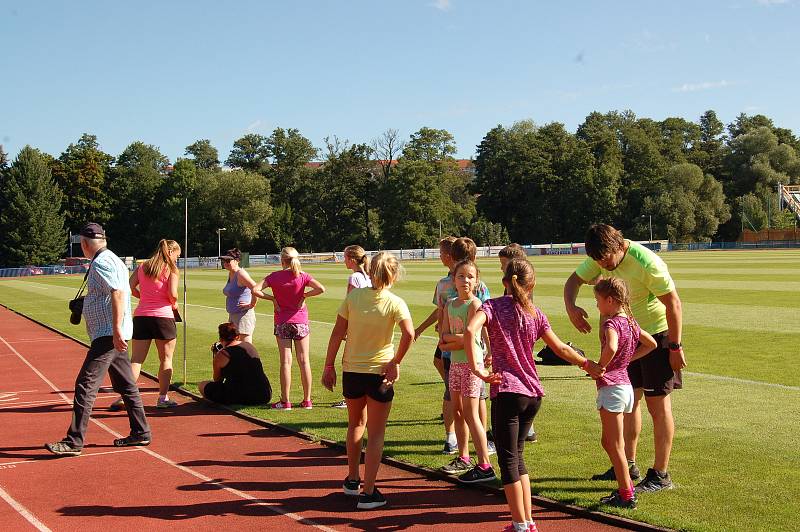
673, 346
330, 366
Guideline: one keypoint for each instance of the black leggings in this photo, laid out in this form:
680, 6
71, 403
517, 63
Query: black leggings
512, 416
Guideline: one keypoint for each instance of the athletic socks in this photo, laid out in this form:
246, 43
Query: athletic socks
450, 437
626, 495
485, 467
520, 527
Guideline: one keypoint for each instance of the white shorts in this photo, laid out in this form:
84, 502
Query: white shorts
616, 398
244, 323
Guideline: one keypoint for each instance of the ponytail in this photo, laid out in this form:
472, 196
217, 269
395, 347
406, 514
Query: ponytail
520, 279
357, 254
291, 259
161, 259
384, 270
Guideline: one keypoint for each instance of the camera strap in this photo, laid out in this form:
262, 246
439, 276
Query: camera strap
86, 275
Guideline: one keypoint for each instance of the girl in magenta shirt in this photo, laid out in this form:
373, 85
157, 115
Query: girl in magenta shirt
514, 325
291, 321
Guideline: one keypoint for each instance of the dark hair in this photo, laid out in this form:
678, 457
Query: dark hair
520, 279
464, 263
446, 244
235, 254
357, 253
228, 332
464, 248
512, 251
603, 240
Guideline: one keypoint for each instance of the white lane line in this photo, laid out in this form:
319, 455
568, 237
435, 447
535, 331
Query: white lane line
744, 381
25, 340
246, 496
21, 510
83, 455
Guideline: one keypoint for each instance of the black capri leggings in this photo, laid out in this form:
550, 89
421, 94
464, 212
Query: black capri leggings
512, 416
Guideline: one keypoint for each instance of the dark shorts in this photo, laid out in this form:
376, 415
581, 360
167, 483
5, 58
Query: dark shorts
153, 328
446, 395
437, 353
357, 385
225, 394
291, 331
653, 372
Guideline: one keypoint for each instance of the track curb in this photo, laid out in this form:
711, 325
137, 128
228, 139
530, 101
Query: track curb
429, 473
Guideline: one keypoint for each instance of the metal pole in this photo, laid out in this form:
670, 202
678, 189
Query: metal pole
219, 247
185, 257
650, 216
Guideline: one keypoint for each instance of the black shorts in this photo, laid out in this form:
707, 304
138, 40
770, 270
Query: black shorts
437, 353
225, 394
446, 395
357, 385
653, 372
153, 328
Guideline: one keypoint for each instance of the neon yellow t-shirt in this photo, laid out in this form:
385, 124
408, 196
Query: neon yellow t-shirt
371, 316
647, 277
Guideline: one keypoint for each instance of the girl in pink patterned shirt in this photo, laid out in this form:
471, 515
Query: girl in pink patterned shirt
622, 342
514, 325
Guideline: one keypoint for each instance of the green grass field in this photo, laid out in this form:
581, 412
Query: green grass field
733, 462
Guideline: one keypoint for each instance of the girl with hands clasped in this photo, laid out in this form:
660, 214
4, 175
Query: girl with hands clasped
514, 326
622, 341
370, 367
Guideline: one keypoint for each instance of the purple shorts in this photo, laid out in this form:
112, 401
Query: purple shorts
291, 331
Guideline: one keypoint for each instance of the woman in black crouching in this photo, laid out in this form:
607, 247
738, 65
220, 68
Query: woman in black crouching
238, 374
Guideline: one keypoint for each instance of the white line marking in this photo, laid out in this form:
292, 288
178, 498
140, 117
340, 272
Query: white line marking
166, 460
129, 450
23, 511
744, 381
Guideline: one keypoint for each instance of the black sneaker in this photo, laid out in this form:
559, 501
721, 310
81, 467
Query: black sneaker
130, 441
633, 471
476, 474
654, 481
351, 487
616, 500
62, 448
371, 500
449, 448
456, 466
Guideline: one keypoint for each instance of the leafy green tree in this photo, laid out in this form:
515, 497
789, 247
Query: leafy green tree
289, 152
249, 153
708, 152
205, 155
692, 206
430, 145
751, 212
31, 221
81, 172
486, 233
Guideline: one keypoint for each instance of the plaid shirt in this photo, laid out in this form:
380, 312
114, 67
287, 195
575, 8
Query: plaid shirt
107, 273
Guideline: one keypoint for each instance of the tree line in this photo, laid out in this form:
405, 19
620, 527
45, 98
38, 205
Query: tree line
695, 181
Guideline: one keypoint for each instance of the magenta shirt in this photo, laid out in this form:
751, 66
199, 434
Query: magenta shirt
512, 333
628, 334
154, 300
288, 290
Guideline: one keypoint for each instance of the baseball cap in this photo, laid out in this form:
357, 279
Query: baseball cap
92, 230
232, 254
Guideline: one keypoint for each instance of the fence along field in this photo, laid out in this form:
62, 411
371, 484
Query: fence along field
735, 457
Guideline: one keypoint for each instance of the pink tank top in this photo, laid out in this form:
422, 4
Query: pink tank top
154, 300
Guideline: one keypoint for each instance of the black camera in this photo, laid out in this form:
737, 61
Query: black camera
76, 310
216, 346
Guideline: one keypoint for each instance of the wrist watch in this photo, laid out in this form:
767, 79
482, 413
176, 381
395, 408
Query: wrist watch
673, 346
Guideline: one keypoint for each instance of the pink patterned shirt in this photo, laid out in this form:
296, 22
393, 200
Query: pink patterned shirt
628, 338
512, 333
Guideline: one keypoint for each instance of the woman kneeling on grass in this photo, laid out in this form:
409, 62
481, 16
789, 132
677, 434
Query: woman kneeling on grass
370, 367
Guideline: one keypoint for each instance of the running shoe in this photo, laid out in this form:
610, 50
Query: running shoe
117, 405
132, 440
339, 404
654, 481
476, 474
351, 487
62, 448
456, 466
280, 405
490, 447
165, 403
532, 528
449, 448
308, 405
368, 501
616, 500
633, 470
531, 437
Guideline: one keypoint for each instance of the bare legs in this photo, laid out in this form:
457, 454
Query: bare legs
285, 352
165, 348
370, 414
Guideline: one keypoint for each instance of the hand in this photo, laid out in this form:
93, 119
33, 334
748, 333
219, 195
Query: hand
120, 344
391, 372
246, 306
417, 334
491, 378
677, 359
329, 378
487, 361
578, 318
595, 370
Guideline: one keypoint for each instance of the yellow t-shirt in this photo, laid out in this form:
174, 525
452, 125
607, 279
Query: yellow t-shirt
371, 316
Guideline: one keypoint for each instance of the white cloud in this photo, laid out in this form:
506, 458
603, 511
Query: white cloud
441, 5
704, 86
252, 127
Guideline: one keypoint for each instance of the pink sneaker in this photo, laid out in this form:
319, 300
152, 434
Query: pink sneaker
306, 404
532, 528
280, 405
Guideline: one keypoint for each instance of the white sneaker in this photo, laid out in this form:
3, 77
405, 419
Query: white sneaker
491, 448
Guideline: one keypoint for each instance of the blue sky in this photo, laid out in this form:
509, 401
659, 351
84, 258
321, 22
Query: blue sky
171, 72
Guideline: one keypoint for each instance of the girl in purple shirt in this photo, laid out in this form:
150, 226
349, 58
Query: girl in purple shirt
514, 325
622, 341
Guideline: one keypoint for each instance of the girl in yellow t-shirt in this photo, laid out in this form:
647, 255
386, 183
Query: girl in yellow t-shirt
370, 366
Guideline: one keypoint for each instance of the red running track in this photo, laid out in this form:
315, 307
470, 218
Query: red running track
205, 470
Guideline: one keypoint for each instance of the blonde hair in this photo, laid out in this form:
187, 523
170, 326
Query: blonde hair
359, 256
446, 245
384, 270
161, 259
291, 259
616, 289
520, 279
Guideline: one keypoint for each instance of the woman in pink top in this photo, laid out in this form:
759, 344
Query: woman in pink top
291, 321
155, 283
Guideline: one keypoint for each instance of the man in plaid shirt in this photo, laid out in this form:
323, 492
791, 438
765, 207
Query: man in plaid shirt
107, 311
